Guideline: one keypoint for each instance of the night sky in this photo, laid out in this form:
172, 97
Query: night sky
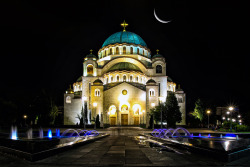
206, 45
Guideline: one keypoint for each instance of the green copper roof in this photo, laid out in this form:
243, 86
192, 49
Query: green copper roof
90, 56
124, 66
124, 37
157, 55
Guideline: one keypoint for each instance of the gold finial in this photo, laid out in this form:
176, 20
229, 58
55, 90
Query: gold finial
157, 50
124, 25
91, 51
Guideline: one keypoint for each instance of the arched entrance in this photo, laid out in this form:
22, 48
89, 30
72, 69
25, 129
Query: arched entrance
112, 115
124, 117
137, 109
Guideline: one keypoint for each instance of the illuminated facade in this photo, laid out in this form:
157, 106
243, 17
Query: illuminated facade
122, 84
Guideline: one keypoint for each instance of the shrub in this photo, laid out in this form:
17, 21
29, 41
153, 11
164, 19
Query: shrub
242, 128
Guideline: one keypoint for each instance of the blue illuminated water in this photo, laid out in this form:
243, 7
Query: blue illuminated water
49, 133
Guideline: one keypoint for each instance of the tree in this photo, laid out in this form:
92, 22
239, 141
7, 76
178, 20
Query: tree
53, 112
172, 110
198, 110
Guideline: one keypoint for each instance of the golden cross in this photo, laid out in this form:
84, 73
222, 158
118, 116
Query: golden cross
91, 51
124, 24
157, 50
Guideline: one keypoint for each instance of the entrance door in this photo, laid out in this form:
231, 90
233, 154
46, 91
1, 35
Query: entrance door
136, 120
124, 119
112, 121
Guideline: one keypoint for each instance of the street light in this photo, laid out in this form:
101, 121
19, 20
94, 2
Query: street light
208, 112
25, 117
231, 110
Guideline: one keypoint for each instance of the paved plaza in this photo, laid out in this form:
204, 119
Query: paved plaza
121, 149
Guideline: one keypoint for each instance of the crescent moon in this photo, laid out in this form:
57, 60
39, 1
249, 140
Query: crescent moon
162, 21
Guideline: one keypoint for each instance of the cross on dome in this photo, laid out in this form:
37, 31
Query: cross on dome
91, 51
157, 50
124, 25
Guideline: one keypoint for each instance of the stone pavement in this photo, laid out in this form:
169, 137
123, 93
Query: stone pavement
121, 149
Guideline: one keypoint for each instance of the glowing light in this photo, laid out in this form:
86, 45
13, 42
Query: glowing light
136, 108
112, 110
84, 98
25, 116
223, 118
143, 97
153, 104
58, 132
239, 120
231, 108
49, 133
239, 116
143, 111
228, 112
208, 111
94, 104
233, 120
13, 132
228, 119
161, 99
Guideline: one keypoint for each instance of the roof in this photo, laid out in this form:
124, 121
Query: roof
157, 55
124, 37
79, 79
124, 66
97, 82
90, 56
170, 79
151, 81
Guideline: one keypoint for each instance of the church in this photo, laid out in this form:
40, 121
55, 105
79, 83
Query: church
121, 84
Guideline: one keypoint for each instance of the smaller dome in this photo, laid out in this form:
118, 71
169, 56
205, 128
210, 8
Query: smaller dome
90, 56
69, 90
157, 56
151, 81
124, 66
98, 82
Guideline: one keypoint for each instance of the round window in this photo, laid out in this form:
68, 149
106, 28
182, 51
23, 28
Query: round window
124, 92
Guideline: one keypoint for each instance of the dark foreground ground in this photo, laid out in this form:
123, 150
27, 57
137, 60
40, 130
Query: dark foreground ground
121, 149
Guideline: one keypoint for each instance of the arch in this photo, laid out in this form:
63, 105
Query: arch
182, 129
110, 51
151, 92
131, 50
112, 110
124, 50
124, 59
107, 80
138, 51
68, 99
124, 78
111, 78
143, 52
117, 50
158, 69
90, 69
137, 109
117, 78
131, 78
97, 92
137, 79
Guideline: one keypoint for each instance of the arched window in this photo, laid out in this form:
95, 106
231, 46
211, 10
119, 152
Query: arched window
124, 50
141, 80
151, 92
143, 52
137, 79
68, 99
124, 78
111, 79
107, 80
90, 69
117, 78
138, 51
131, 50
97, 92
131, 78
110, 51
105, 53
117, 50
158, 69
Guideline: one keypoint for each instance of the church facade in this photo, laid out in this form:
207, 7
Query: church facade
121, 84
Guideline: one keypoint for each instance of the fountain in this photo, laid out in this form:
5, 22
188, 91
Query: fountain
13, 132
57, 132
30, 134
49, 133
40, 133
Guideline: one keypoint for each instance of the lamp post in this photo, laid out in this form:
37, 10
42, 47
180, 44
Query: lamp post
95, 104
25, 117
231, 110
208, 112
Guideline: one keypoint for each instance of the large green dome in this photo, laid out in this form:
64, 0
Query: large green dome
124, 66
124, 37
